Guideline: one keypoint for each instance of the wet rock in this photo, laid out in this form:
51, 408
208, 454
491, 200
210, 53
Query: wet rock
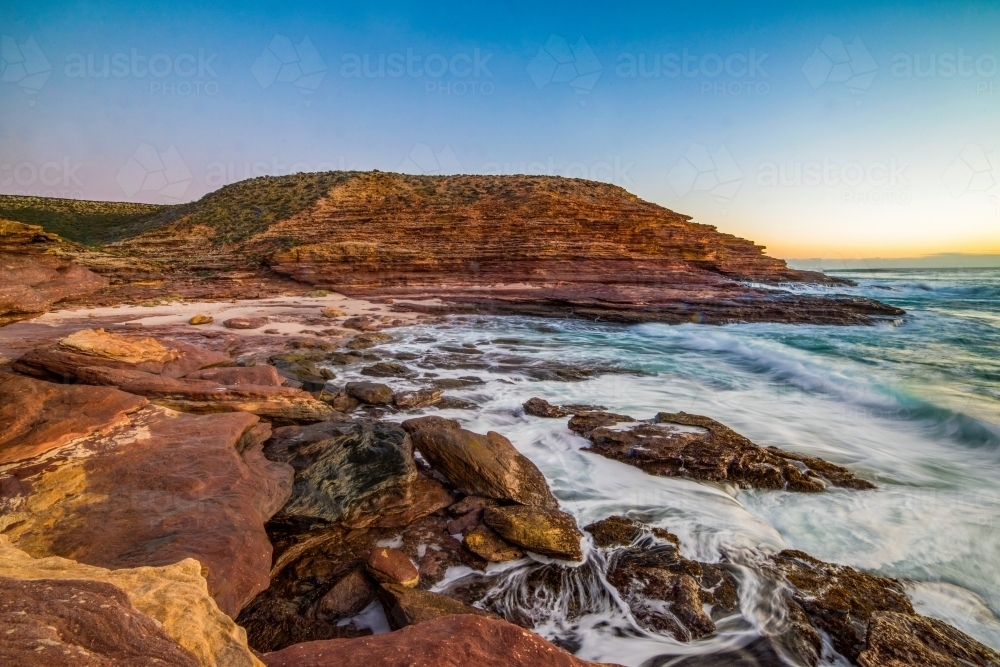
367, 340
391, 566
201, 318
348, 597
89, 348
684, 445
344, 403
38, 417
281, 404
160, 488
263, 375
539, 407
488, 545
465, 523
245, 322
408, 606
456, 383
839, 600
453, 403
586, 423
665, 591
482, 465
545, 531
359, 471
456, 349
901, 640
311, 563
421, 398
620, 531
80, 623
372, 393
301, 367
388, 369
175, 596
450, 641
469, 503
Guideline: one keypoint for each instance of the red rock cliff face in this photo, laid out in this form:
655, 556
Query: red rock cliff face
534, 245
388, 230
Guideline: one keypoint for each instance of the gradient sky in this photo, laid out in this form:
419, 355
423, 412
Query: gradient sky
840, 140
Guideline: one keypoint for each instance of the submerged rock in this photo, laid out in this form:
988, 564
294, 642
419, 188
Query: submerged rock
665, 591
481, 465
543, 530
449, 641
685, 445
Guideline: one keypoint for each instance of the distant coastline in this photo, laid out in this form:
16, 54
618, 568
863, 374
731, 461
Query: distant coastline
951, 260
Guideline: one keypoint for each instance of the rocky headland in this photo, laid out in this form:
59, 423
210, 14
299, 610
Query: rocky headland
214, 450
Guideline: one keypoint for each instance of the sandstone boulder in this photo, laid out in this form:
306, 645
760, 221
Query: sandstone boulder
450, 641
200, 318
332, 311
408, 606
281, 404
545, 531
391, 566
41, 416
160, 488
539, 407
48, 622
372, 393
420, 398
175, 595
482, 465
98, 348
488, 545
388, 369
356, 473
245, 322
263, 375
348, 597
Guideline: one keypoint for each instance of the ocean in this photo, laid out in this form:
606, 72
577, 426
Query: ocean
912, 405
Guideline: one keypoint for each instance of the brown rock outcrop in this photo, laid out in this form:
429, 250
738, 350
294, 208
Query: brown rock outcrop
405, 606
539, 529
96, 347
32, 279
175, 595
391, 566
451, 641
52, 623
40, 416
160, 488
685, 445
480, 465
900, 640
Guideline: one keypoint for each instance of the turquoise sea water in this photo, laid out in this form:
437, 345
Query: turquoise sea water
912, 405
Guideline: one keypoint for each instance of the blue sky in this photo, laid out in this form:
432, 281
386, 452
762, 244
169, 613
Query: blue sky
852, 130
